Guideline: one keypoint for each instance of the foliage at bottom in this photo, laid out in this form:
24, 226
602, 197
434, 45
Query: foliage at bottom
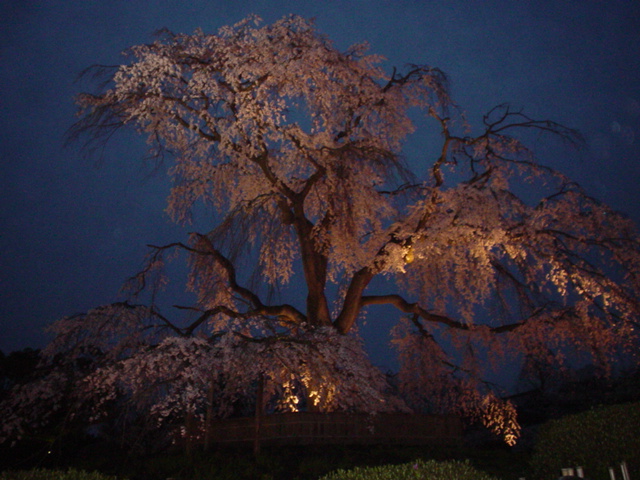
431, 470
596, 440
43, 474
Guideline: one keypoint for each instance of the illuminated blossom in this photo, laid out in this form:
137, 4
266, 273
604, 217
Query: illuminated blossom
296, 147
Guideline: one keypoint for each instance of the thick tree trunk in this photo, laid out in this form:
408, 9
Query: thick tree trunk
352, 300
314, 265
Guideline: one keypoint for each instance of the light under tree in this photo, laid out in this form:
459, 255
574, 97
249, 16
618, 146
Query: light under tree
296, 151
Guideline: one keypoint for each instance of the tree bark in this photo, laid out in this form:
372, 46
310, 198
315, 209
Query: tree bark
314, 266
352, 300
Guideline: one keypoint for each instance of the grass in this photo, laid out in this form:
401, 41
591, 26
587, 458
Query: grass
273, 463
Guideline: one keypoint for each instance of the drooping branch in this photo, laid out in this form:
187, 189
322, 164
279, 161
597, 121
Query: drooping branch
257, 307
422, 73
414, 308
508, 119
492, 144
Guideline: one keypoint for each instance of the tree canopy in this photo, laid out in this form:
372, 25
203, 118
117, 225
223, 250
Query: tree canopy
297, 150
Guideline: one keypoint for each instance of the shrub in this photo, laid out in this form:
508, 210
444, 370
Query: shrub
596, 440
42, 474
419, 470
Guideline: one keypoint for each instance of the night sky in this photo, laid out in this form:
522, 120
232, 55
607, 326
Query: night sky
73, 229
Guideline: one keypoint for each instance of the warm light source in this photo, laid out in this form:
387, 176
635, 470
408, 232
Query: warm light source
290, 399
408, 257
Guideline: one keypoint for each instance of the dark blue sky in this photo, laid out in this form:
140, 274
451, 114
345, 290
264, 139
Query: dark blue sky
71, 230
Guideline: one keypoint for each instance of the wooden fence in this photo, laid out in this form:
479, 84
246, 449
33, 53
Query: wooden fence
336, 428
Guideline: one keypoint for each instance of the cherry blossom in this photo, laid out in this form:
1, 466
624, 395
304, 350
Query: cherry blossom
295, 151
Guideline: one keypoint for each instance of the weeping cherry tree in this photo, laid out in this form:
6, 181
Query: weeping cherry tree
294, 149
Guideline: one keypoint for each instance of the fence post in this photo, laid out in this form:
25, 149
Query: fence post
208, 420
258, 416
625, 471
190, 433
